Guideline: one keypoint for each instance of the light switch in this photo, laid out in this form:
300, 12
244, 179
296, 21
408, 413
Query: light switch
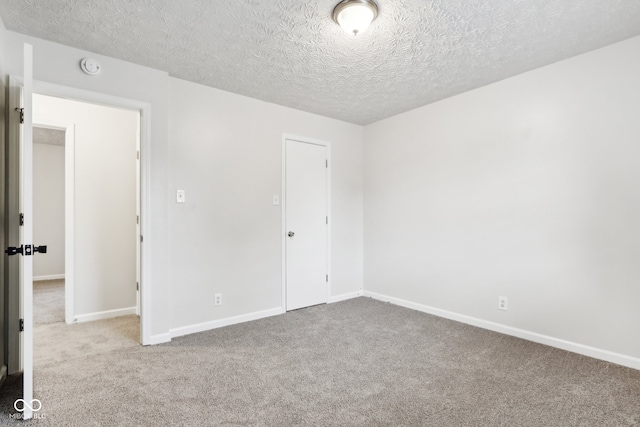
276, 200
180, 196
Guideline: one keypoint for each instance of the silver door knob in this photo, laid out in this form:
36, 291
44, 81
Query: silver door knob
291, 234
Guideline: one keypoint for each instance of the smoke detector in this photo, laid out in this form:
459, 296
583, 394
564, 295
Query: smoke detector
90, 66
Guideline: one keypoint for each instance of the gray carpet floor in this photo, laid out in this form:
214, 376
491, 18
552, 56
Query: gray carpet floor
48, 301
355, 363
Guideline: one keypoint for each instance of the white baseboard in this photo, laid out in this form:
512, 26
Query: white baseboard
49, 277
596, 353
158, 339
206, 326
342, 297
81, 318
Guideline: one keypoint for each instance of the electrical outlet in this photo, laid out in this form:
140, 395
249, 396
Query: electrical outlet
503, 303
180, 196
218, 299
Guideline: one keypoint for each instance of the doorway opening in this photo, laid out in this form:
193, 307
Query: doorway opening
87, 207
19, 218
49, 152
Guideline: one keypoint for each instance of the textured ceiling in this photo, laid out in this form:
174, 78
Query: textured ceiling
290, 52
48, 136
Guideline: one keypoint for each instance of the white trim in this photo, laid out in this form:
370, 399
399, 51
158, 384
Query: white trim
283, 204
69, 222
214, 324
343, 297
101, 315
26, 206
146, 283
330, 221
159, 339
283, 215
138, 225
284, 223
49, 277
596, 353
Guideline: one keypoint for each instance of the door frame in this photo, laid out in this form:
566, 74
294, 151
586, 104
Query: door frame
327, 145
69, 212
66, 92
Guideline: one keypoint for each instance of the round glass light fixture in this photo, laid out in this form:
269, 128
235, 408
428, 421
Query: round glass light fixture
354, 16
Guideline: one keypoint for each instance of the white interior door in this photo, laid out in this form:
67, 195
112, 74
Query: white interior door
26, 205
306, 224
21, 137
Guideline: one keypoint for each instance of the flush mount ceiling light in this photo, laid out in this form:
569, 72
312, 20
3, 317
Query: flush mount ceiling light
354, 16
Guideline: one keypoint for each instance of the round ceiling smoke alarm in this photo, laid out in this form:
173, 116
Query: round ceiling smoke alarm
90, 66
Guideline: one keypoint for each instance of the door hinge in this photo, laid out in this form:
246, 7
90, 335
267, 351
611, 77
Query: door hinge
141, 238
137, 286
21, 111
327, 278
21, 325
327, 219
326, 163
21, 219
137, 219
138, 155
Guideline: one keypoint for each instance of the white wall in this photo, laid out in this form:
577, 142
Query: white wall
242, 133
520, 188
105, 201
526, 188
55, 63
48, 208
226, 153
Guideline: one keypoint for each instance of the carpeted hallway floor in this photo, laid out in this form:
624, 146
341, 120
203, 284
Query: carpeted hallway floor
48, 301
359, 362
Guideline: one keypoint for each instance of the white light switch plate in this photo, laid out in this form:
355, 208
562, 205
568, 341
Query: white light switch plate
180, 196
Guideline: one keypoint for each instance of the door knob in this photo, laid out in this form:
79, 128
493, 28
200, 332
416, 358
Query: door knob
291, 234
11, 250
26, 250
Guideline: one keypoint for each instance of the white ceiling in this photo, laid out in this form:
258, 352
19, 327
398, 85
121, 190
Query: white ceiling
291, 53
